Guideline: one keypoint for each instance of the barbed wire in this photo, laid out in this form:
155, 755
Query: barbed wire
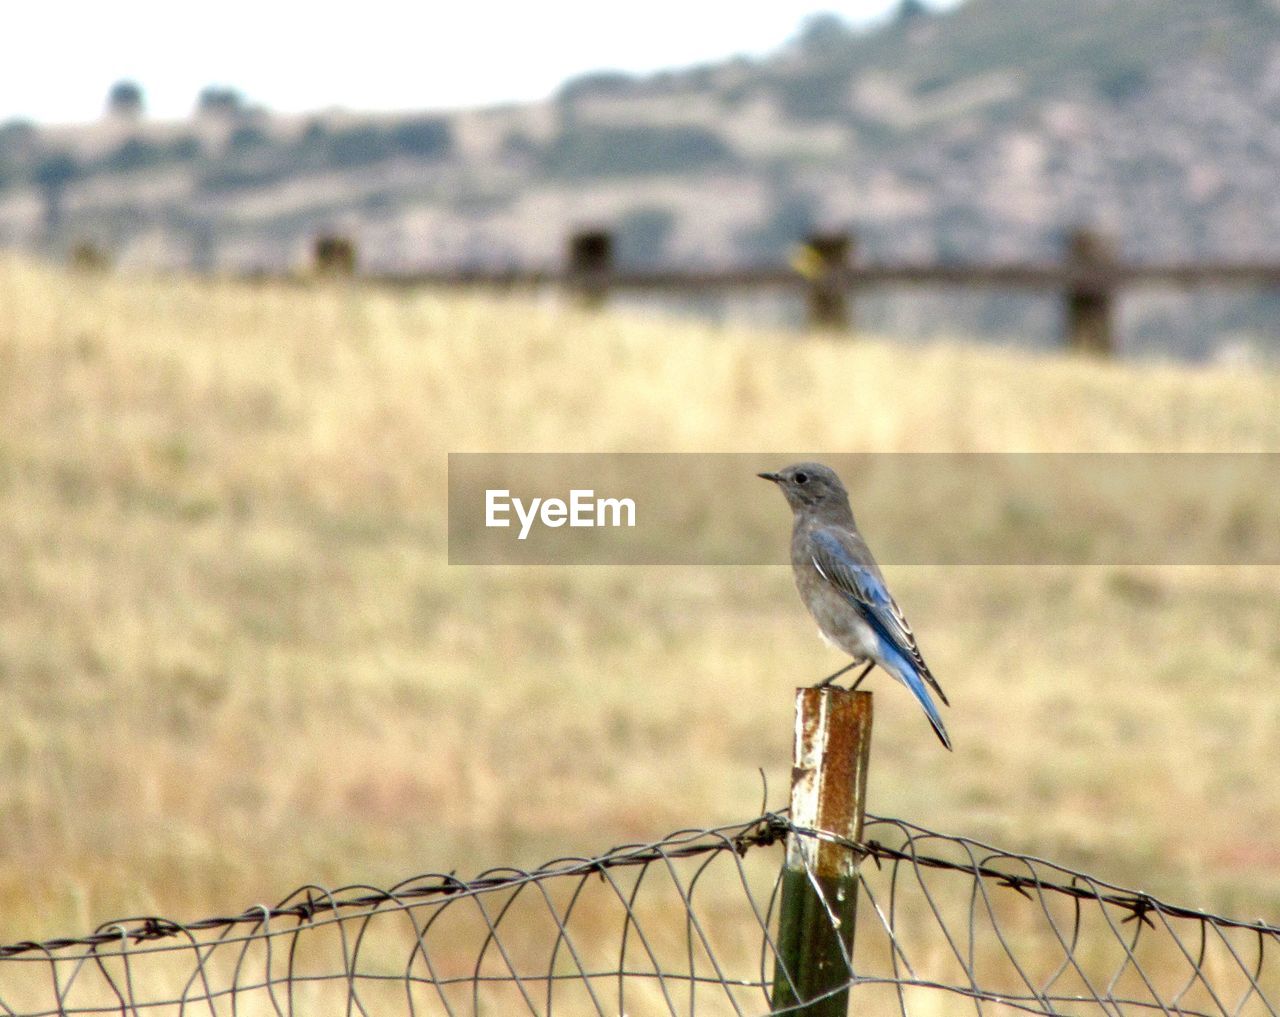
680, 926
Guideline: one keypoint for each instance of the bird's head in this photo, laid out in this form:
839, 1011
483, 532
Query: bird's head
809, 485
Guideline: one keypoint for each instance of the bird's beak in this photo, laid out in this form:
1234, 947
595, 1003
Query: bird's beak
769, 476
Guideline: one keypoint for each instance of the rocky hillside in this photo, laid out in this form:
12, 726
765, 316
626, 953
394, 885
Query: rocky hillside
975, 134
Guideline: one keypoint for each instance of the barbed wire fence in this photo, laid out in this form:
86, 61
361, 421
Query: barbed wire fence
865, 915
684, 925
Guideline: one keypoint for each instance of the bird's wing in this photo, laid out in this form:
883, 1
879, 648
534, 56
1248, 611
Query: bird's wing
862, 586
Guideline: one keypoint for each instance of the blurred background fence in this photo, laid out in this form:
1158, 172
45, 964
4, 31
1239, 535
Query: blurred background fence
1088, 280
682, 926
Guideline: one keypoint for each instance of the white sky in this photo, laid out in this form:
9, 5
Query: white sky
57, 60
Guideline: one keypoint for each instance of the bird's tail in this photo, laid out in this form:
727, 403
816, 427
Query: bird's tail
901, 668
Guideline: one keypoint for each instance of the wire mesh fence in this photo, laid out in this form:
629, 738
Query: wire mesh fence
686, 925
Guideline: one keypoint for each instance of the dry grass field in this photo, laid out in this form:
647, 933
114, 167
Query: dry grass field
233, 658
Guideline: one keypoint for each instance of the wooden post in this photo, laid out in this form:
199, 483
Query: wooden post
88, 257
829, 255
334, 255
590, 266
820, 878
1089, 299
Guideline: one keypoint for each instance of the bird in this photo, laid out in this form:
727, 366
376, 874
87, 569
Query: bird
844, 589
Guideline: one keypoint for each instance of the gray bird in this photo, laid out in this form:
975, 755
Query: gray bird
843, 588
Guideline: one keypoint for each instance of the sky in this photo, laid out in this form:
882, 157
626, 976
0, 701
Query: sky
58, 61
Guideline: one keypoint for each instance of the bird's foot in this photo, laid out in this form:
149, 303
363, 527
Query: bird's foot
826, 682
865, 671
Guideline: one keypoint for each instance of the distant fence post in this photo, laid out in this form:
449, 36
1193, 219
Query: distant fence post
830, 255
1090, 294
590, 266
334, 255
86, 256
819, 878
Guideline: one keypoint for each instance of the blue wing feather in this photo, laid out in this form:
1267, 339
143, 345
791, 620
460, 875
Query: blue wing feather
865, 592
846, 563
863, 589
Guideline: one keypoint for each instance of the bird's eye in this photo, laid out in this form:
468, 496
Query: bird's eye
802, 478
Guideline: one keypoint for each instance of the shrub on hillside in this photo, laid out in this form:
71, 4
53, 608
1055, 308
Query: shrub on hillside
591, 150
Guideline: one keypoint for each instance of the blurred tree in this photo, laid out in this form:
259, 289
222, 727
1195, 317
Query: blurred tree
358, 145
1122, 82
17, 144
125, 100
52, 174
822, 34
910, 10
247, 136
216, 100
310, 148
586, 151
424, 137
596, 83
133, 153
643, 233
55, 171
314, 133
230, 175
16, 136
185, 147
518, 146
816, 93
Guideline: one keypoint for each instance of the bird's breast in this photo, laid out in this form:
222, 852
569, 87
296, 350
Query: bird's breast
839, 623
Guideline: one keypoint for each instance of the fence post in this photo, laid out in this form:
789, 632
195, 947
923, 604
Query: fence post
1089, 299
590, 266
819, 878
830, 255
334, 255
88, 257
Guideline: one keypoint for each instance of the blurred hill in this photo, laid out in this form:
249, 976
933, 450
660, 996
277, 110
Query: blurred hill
978, 133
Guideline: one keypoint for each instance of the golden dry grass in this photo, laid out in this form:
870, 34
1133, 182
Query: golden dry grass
233, 658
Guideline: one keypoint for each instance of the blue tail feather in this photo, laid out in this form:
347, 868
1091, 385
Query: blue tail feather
901, 668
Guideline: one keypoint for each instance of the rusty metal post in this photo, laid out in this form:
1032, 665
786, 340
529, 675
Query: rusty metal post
1089, 299
829, 303
590, 266
820, 879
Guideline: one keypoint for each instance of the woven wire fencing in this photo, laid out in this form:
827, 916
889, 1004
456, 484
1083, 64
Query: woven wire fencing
686, 925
